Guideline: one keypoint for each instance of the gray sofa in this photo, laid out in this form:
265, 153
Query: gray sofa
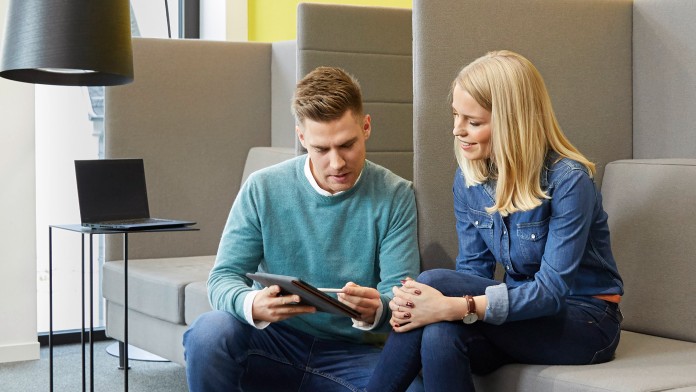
621, 77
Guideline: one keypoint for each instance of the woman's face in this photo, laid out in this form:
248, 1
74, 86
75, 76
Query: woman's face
472, 125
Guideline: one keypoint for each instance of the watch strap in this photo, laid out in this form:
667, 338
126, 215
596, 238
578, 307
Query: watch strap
470, 304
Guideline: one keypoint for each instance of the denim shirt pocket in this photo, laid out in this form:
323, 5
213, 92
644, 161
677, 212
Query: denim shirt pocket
532, 240
483, 222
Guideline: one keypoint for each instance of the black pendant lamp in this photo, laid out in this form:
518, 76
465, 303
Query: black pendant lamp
68, 42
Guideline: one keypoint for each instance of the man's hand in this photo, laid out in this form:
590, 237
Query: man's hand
363, 299
270, 306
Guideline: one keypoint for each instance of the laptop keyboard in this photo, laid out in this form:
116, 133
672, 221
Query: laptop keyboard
133, 221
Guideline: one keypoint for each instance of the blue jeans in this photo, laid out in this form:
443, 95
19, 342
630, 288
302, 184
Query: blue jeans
448, 353
225, 354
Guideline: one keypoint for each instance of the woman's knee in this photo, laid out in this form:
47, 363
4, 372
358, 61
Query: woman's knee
433, 276
440, 335
455, 283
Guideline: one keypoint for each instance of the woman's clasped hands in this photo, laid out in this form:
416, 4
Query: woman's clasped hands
415, 305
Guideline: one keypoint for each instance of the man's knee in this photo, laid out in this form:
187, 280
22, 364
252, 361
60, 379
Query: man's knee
213, 329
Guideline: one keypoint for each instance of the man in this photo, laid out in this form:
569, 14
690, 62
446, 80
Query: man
329, 217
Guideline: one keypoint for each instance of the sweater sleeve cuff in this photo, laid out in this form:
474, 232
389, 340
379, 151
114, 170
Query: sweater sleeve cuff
248, 302
498, 305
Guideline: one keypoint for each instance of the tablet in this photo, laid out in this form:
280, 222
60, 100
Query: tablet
309, 294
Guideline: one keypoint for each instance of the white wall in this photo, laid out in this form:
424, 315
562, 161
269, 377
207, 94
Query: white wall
17, 206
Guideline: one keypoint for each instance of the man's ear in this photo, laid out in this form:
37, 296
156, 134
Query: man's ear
367, 126
300, 135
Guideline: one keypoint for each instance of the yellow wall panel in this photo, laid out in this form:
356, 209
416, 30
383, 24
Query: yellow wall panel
276, 20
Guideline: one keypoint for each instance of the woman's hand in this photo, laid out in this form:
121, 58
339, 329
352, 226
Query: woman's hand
416, 305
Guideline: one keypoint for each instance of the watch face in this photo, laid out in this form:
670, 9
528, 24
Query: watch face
470, 318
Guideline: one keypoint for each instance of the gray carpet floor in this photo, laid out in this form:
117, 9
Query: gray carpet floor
29, 376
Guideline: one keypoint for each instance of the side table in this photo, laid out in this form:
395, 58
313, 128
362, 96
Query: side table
91, 232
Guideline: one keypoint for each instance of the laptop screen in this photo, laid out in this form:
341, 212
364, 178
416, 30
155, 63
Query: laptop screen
111, 189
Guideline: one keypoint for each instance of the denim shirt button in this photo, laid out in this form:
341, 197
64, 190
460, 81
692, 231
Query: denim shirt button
533, 236
507, 267
476, 223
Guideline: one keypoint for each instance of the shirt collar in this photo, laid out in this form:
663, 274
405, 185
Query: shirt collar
315, 185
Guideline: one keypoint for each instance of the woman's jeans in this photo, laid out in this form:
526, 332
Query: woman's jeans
225, 354
586, 332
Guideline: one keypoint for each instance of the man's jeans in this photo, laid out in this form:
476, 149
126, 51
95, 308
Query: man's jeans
224, 354
586, 332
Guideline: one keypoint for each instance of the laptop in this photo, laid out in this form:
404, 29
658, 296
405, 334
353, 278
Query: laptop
113, 196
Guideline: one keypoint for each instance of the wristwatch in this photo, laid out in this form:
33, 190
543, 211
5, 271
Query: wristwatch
470, 317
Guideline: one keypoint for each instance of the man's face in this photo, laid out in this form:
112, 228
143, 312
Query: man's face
336, 150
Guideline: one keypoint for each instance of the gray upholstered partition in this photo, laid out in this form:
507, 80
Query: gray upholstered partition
664, 81
192, 113
283, 81
651, 220
583, 50
373, 44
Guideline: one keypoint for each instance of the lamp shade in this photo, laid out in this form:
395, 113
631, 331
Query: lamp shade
68, 42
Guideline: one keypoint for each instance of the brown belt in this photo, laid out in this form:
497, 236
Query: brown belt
615, 298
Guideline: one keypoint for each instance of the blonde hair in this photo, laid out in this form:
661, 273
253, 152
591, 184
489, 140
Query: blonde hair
325, 94
523, 129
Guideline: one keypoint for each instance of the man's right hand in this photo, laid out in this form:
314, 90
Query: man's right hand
270, 306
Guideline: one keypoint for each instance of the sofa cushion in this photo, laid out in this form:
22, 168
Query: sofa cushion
196, 301
642, 363
156, 286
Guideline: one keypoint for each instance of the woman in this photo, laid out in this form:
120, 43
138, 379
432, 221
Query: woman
523, 197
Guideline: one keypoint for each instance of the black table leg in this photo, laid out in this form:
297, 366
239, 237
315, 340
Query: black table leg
125, 318
91, 312
50, 308
82, 325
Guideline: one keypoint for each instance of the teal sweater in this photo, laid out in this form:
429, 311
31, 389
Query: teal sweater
280, 224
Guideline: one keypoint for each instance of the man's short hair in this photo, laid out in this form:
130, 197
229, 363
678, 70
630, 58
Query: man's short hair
325, 94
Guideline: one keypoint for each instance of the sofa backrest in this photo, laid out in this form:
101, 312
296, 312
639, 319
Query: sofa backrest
583, 51
651, 218
192, 113
373, 44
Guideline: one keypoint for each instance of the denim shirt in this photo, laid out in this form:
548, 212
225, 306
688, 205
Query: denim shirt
556, 250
